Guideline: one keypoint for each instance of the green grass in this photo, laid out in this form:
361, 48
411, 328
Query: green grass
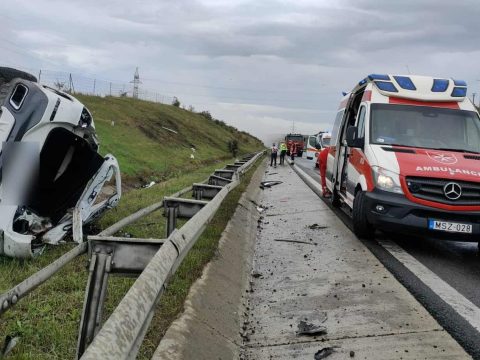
145, 150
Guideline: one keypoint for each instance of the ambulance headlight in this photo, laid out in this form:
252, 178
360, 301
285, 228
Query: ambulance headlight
387, 180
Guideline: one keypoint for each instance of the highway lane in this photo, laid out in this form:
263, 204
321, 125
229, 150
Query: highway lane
443, 275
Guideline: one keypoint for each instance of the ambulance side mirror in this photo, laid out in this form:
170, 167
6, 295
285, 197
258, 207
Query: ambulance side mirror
352, 137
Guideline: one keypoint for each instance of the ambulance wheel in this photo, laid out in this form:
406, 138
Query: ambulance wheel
8, 74
361, 227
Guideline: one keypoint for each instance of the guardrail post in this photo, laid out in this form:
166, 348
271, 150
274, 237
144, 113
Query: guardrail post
198, 194
172, 214
94, 299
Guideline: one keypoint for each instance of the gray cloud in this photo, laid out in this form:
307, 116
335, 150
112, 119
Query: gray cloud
268, 62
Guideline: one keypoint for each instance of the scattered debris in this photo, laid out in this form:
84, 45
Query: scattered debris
267, 184
256, 274
317, 227
311, 326
192, 156
260, 209
146, 186
8, 345
168, 129
323, 353
296, 241
273, 174
352, 353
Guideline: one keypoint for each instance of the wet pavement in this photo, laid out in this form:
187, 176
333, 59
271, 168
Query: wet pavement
309, 269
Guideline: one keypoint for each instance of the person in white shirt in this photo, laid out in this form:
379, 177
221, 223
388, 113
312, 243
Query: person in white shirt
273, 155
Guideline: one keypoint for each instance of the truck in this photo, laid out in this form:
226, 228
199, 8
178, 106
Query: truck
298, 140
405, 157
51, 172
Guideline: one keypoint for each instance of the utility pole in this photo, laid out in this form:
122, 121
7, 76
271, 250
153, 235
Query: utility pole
473, 98
39, 76
136, 81
70, 84
94, 85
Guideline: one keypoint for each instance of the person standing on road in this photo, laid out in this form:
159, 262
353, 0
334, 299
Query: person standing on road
273, 155
293, 151
283, 151
322, 164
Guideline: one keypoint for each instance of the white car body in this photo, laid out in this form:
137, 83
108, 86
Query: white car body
54, 134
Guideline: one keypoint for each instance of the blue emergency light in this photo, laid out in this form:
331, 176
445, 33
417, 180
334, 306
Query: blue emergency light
405, 82
440, 85
386, 86
459, 92
378, 77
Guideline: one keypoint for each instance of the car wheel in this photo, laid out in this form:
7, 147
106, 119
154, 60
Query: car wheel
361, 227
8, 74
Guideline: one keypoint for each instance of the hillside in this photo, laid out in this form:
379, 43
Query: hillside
145, 150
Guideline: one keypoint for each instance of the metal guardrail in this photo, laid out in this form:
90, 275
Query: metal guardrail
123, 332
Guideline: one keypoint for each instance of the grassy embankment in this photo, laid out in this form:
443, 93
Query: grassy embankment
47, 319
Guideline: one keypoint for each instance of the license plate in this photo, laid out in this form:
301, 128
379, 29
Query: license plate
450, 226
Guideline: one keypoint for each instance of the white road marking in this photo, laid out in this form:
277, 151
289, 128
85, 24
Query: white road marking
452, 297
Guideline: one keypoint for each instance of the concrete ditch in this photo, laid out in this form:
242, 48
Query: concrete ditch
214, 310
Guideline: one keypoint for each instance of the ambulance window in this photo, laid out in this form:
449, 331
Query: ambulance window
361, 122
336, 127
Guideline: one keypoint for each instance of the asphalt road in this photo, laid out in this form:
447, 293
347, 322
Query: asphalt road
443, 275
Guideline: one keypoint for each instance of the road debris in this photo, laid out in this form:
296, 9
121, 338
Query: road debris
8, 345
256, 274
273, 174
352, 353
168, 129
323, 353
149, 185
267, 184
317, 227
261, 208
296, 241
305, 328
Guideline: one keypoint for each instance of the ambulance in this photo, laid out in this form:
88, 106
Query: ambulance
405, 157
316, 143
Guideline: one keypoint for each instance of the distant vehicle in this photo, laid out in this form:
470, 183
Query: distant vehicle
324, 142
315, 145
405, 157
299, 142
51, 171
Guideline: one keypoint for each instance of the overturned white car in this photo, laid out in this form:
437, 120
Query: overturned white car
51, 171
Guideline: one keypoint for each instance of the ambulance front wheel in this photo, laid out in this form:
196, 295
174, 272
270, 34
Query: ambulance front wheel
361, 227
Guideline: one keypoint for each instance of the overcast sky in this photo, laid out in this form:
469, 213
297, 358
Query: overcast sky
258, 65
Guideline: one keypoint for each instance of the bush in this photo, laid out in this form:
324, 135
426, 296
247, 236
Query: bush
233, 147
176, 102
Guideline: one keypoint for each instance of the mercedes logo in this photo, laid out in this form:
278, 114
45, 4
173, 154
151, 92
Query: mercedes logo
452, 191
